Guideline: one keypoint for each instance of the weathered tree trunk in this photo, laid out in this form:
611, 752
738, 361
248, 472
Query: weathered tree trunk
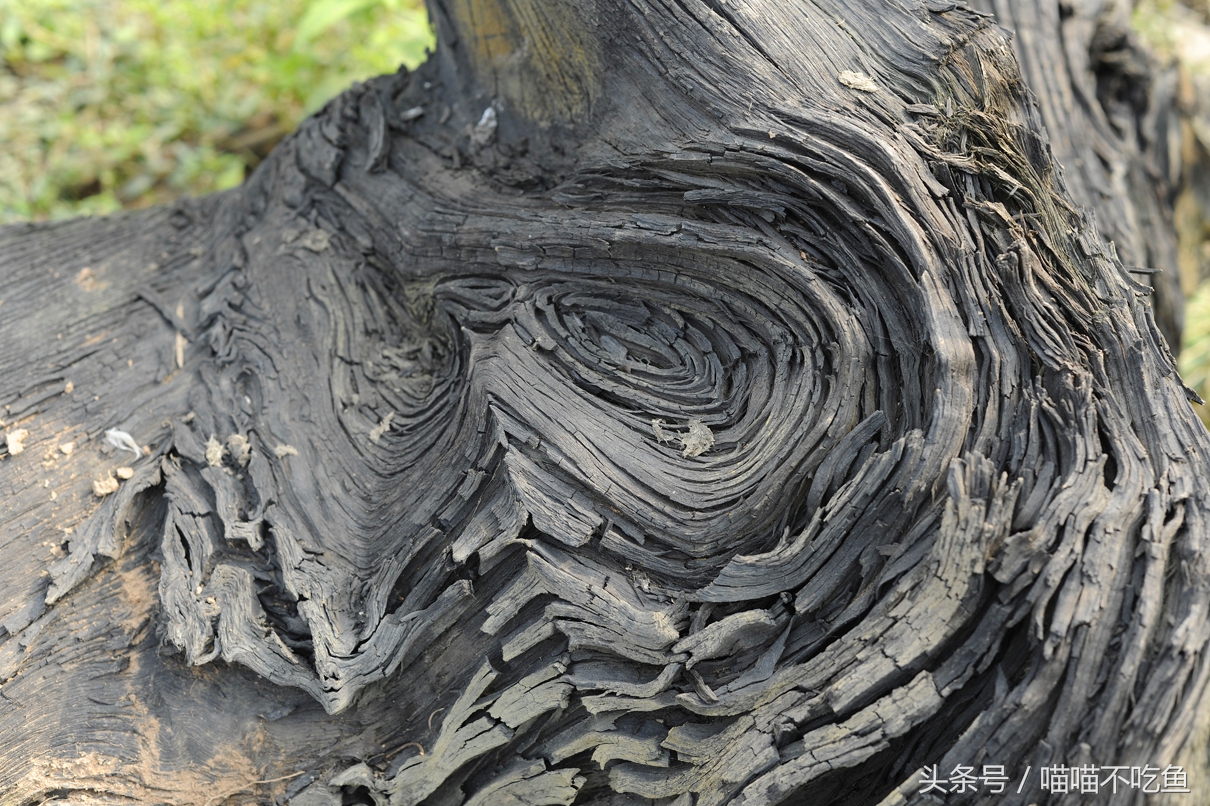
678, 403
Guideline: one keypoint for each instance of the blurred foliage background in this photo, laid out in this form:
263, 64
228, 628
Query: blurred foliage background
111, 104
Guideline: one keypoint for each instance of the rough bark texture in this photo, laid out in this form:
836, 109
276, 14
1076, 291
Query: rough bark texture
678, 403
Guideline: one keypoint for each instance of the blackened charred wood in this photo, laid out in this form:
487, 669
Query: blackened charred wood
692, 403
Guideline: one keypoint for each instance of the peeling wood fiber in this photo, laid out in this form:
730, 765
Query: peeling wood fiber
1112, 121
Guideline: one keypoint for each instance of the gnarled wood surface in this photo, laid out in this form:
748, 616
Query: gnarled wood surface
678, 403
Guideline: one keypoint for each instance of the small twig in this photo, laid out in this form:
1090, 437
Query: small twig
403, 747
439, 710
217, 798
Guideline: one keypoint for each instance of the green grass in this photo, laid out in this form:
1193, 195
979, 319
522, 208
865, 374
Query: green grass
110, 104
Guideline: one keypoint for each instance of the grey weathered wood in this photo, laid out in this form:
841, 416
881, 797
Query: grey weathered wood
693, 403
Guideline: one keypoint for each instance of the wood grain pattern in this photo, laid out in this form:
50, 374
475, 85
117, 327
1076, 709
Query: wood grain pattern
761, 430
